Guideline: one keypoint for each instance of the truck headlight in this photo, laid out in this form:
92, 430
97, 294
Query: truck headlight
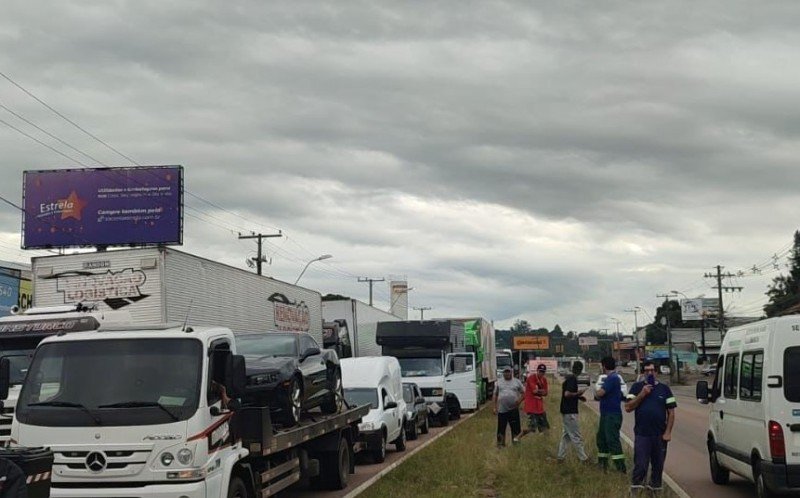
185, 456
437, 392
167, 458
366, 426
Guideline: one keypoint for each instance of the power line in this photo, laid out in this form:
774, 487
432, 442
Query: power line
42, 143
73, 123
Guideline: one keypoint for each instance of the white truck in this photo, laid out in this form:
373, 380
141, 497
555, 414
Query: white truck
21, 332
353, 326
141, 411
161, 285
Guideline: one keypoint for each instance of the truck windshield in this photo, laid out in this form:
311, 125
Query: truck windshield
360, 396
420, 367
112, 382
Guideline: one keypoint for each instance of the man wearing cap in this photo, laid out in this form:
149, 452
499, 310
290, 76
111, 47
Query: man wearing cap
535, 391
508, 393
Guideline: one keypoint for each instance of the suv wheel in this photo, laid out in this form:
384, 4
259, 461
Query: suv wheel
294, 404
400, 442
334, 401
379, 454
424, 429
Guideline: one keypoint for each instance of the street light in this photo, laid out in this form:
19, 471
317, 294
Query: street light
324, 256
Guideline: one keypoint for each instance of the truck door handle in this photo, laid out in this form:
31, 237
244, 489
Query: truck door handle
721, 414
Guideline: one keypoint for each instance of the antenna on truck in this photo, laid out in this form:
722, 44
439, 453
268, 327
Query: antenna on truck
186, 320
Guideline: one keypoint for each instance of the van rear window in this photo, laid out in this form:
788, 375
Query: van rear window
791, 374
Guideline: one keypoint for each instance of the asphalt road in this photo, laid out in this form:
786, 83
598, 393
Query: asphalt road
365, 469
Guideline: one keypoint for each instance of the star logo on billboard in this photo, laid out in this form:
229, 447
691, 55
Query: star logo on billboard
73, 206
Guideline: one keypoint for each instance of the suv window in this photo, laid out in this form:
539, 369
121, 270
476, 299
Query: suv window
752, 368
791, 374
731, 375
306, 342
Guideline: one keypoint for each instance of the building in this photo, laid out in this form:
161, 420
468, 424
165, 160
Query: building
15, 286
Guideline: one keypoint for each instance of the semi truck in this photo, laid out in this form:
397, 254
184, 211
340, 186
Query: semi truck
432, 354
479, 339
161, 285
156, 411
350, 327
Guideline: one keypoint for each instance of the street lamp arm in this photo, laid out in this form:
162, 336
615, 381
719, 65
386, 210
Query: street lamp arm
324, 256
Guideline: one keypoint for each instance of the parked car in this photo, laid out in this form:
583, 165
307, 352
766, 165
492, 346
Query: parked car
755, 403
602, 377
288, 372
376, 380
417, 415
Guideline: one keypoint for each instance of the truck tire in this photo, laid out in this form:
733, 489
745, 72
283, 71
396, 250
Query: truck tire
454, 407
334, 401
444, 417
379, 454
335, 467
236, 488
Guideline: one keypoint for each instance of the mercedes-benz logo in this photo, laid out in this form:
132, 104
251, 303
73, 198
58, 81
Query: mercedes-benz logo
96, 461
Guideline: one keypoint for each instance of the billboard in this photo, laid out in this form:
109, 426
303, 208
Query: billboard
102, 207
696, 309
587, 341
531, 342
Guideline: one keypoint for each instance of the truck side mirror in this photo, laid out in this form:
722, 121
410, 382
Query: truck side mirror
5, 377
389, 405
701, 392
235, 375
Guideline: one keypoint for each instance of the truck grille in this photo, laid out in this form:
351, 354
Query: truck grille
115, 462
429, 391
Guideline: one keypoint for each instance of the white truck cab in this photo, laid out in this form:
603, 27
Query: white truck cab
377, 381
754, 420
141, 411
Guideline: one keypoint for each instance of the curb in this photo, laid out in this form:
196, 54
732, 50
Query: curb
372, 480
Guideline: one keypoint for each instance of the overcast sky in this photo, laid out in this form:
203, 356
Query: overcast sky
558, 162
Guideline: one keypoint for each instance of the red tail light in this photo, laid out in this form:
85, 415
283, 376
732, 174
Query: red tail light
777, 447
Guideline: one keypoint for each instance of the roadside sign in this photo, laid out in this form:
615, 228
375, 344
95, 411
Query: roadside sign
587, 341
531, 342
695, 309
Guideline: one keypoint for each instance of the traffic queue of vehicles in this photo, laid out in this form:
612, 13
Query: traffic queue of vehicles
142, 387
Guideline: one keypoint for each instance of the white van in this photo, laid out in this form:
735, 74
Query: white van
754, 421
377, 381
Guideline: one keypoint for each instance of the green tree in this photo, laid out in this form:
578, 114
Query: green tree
784, 292
656, 332
557, 332
520, 327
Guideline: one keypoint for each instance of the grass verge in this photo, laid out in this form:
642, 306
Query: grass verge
465, 462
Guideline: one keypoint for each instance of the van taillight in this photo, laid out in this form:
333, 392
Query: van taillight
777, 447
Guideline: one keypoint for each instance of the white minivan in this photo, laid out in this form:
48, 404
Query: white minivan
377, 381
754, 421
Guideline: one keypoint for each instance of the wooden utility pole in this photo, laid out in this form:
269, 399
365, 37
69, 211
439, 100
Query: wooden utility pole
259, 259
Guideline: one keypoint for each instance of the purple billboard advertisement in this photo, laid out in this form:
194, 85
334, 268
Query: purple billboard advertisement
102, 207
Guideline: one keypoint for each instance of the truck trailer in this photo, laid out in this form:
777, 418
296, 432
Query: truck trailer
351, 326
155, 412
432, 354
161, 285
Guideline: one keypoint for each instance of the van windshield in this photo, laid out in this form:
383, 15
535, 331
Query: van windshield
112, 382
360, 396
503, 361
420, 367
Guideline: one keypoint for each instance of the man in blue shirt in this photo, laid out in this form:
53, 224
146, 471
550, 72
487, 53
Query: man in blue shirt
610, 395
655, 415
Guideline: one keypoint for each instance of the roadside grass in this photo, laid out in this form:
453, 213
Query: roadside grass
465, 462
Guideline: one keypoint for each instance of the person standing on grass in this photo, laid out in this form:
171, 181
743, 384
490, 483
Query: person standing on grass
570, 395
536, 389
508, 394
655, 405
610, 395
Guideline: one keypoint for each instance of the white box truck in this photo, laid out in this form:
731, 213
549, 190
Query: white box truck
164, 285
351, 325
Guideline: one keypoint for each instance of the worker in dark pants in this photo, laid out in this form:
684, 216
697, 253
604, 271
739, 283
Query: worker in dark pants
508, 394
610, 395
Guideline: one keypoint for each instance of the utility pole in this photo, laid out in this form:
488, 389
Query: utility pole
371, 282
669, 335
635, 312
259, 239
719, 276
422, 310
